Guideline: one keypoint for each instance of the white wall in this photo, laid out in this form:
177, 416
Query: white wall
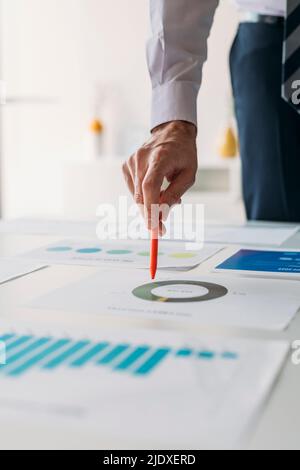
60, 49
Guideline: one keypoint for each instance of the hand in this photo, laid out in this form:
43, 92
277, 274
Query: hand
170, 153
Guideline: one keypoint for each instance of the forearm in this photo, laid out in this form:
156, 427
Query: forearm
177, 51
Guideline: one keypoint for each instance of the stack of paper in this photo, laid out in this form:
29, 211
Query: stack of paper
138, 387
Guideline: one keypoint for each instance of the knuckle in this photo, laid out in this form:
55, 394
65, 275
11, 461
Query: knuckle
160, 154
140, 154
156, 166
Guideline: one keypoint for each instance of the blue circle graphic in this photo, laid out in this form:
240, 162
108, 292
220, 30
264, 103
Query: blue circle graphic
89, 251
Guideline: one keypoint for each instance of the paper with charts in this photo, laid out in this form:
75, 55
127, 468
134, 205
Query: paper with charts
12, 268
137, 385
207, 300
173, 255
263, 262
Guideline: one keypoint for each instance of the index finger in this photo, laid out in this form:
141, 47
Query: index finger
151, 193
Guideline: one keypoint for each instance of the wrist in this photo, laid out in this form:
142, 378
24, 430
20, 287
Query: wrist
189, 129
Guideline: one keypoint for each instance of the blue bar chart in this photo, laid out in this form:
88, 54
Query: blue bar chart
25, 353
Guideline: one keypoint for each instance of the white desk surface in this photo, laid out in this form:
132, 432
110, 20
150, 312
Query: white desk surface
278, 424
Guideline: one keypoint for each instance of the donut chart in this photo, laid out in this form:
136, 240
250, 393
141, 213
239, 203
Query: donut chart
180, 291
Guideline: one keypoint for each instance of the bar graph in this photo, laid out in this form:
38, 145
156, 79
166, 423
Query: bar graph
25, 353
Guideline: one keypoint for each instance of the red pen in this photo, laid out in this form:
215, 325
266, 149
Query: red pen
154, 253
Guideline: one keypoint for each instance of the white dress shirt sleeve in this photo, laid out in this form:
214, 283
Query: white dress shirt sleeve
176, 53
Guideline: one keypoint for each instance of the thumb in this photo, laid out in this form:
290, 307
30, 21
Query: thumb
177, 188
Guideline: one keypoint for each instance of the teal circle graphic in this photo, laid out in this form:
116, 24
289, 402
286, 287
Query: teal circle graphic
89, 251
59, 249
119, 252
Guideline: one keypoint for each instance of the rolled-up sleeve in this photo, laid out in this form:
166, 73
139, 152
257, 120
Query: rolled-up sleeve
176, 53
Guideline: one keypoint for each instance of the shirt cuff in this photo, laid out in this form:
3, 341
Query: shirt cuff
174, 101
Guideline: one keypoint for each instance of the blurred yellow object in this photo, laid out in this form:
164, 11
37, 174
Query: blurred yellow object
229, 146
96, 126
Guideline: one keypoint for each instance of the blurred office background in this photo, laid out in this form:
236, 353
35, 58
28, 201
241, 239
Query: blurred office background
66, 63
